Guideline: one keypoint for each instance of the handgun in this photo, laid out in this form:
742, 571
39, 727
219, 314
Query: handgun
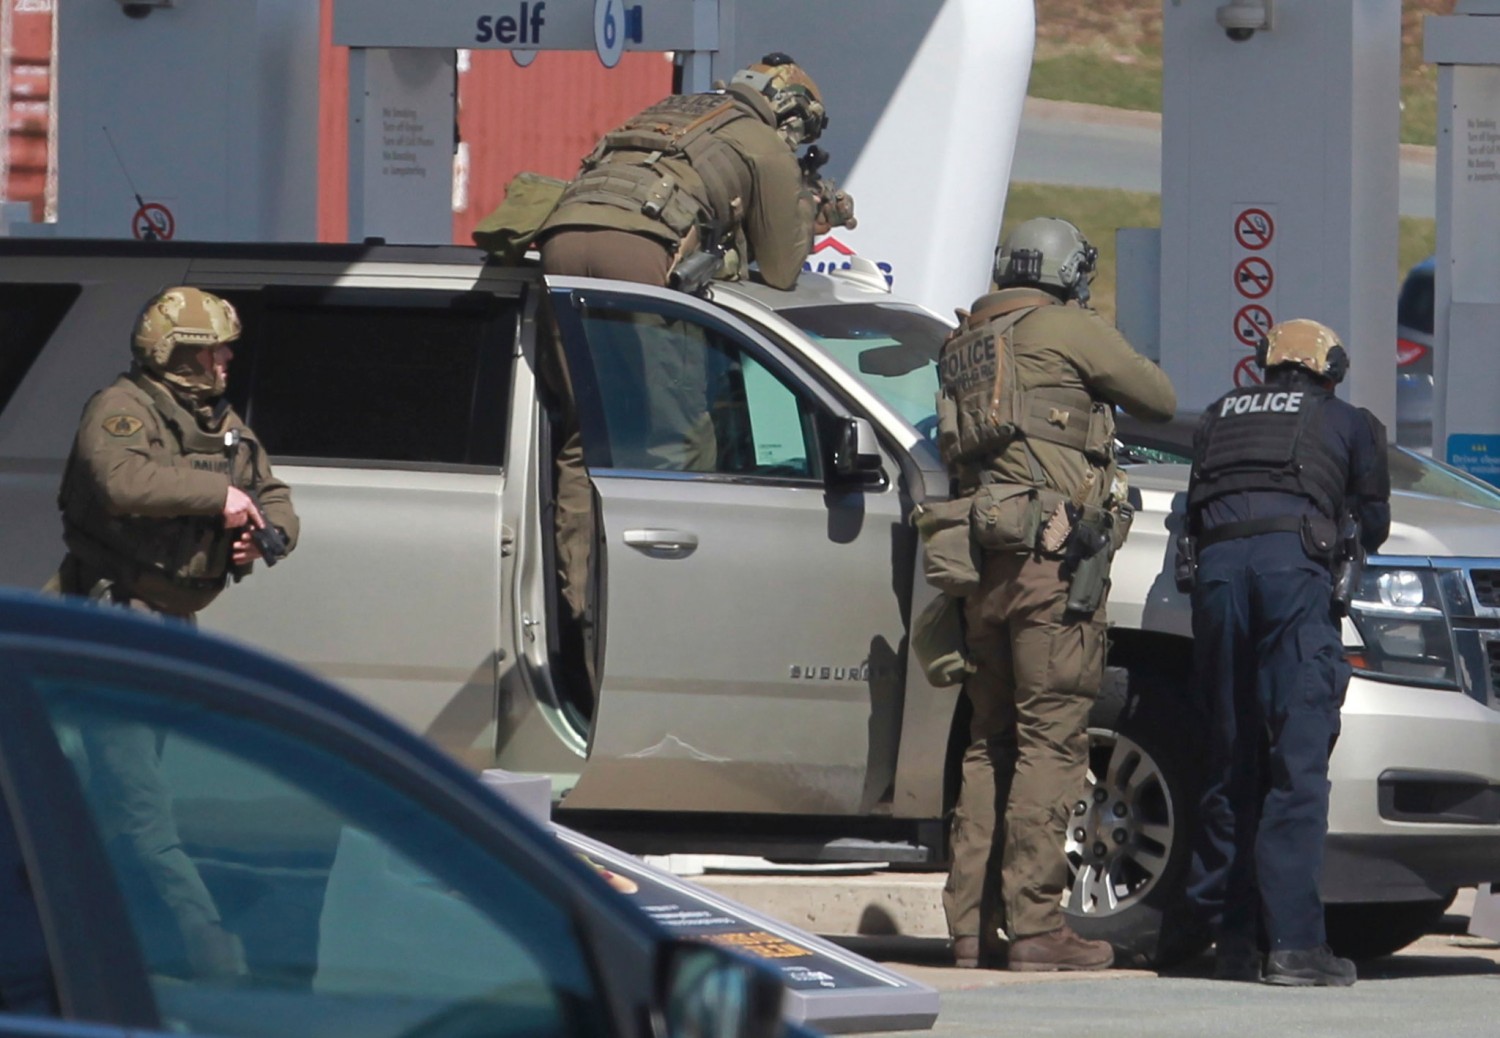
268, 538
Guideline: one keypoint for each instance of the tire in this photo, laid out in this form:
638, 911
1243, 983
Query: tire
1128, 840
1370, 930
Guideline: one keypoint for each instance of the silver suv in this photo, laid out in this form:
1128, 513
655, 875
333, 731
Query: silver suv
754, 691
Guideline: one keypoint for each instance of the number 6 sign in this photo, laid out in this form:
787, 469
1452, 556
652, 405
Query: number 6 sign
609, 31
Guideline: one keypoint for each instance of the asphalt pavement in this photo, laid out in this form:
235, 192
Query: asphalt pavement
1443, 985
1078, 145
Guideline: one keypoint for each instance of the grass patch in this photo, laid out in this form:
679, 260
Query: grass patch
1098, 214
1098, 79
1111, 55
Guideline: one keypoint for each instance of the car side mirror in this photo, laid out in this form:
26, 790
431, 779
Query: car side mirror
705, 991
854, 452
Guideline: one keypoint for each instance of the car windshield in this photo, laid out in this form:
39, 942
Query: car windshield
1411, 472
1418, 474
890, 348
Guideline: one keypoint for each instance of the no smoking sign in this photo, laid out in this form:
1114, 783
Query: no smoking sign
1254, 229
153, 222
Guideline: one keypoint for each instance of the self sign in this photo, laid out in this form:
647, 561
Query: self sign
523, 27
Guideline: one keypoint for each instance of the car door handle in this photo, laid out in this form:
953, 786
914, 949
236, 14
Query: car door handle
674, 543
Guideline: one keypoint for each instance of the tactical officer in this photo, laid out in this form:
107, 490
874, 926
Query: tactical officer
157, 514
1026, 424
1280, 473
696, 173
660, 201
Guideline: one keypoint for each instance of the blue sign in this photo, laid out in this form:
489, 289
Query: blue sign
1476, 454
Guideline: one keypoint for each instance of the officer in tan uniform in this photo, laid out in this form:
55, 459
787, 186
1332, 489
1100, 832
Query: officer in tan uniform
660, 201
1029, 382
695, 173
158, 514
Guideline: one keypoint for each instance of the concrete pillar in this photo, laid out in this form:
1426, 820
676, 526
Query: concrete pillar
1466, 304
1280, 171
206, 112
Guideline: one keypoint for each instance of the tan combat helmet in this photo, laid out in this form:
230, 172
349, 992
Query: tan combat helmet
1306, 344
174, 326
792, 94
1049, 251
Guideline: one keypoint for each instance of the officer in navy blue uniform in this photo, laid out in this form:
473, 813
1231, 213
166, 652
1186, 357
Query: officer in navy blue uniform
1279, 472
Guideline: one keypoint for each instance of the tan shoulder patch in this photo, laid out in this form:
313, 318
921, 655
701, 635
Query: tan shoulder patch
122, 425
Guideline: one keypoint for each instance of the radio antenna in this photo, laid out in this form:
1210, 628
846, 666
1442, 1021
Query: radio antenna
150, 233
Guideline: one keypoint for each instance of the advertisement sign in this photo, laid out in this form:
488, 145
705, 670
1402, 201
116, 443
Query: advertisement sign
828, 986
1478, 455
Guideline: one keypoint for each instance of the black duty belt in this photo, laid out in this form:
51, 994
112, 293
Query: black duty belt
1250, 528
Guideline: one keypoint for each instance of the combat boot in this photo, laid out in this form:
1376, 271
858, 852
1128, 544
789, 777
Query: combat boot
973, 952
1062, 949
1309, 967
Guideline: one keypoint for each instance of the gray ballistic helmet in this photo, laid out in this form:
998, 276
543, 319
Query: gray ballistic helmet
1047, 251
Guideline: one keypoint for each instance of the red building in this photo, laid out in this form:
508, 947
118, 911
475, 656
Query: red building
26, 46
544, 117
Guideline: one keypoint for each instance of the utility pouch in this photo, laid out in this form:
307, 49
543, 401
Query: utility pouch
937, 641
950, 561
1185, 565
1007, 517
1099, 444
1320, 538
507, 232
947, 428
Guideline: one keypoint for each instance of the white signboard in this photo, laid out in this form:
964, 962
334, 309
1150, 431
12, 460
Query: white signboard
401, 110
514, 24
1476, 184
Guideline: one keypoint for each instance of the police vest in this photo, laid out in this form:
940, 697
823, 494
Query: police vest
623, 170
184, 557
1269, 439
982, 408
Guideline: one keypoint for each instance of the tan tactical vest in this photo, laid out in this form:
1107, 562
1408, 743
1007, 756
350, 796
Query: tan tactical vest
178, 562
710, 180
982, 408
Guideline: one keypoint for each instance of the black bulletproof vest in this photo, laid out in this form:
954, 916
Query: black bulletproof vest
1270, 439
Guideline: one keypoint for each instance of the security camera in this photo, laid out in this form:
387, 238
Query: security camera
1242, 19
141, 8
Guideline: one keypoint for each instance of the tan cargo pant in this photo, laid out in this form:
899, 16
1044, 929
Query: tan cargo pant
1038, 675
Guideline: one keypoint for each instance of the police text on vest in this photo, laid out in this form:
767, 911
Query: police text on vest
1254, 403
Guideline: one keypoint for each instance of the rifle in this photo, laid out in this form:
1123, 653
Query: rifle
694, 273
835, 207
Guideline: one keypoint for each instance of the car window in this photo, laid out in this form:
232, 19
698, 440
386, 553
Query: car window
411, 378
278, 888
25, 972
1414, 306
29, 314
1420, 474
891, 349
672, 394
